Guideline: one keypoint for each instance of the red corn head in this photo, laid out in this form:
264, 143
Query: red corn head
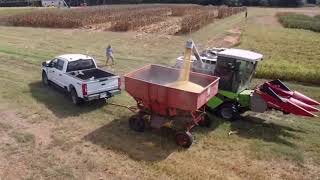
278, 96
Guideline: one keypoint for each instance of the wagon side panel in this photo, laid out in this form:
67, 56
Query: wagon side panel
158, 98
207, 94
138, 89
182, 99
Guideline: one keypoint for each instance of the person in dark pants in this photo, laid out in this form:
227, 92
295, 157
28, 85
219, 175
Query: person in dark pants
109, 54
246, 15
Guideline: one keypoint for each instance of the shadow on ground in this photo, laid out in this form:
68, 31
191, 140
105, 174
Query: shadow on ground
151, 145
157, 145
56, 100
252, 127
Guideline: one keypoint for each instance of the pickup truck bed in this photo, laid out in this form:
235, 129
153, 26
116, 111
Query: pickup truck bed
91, 74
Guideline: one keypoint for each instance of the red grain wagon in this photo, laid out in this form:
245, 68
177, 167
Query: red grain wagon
160, 105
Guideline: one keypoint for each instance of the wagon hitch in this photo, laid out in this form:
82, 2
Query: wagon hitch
278, 96
133, 109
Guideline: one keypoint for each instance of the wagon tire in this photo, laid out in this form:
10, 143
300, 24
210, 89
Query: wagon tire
205, 122
229, 111
184, 139
137, 123
45, 80
74, 97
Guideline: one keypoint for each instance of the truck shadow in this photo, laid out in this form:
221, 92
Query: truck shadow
151, 145
58, 101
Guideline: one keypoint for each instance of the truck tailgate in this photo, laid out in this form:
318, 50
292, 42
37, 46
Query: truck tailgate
102, 85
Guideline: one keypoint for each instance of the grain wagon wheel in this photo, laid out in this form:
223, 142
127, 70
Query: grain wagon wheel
137, 123
206, 121
184, 139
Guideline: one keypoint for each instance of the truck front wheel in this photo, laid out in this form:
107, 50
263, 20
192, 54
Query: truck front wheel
74, 97
45, 80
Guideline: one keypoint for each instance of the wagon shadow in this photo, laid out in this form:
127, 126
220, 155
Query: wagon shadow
57, 101
151, 145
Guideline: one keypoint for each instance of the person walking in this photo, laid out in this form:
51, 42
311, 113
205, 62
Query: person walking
246, 15
109, 54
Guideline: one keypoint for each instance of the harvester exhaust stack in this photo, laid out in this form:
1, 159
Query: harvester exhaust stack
278, 96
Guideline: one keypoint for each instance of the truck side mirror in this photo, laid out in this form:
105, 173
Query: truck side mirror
45, 64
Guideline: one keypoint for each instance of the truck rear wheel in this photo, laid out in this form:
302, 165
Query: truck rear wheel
228, 111
45, 80
184, 139
137, 123
74, 97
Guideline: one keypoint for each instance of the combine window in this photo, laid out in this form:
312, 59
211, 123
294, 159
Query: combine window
245, 73
235, 75
209, 62
225, 69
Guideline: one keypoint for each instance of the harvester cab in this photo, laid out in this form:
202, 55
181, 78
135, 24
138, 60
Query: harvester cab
236, 68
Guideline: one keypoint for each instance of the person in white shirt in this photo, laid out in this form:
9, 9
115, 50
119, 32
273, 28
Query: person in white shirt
109, 54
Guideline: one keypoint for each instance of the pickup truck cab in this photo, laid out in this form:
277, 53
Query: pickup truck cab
79, 75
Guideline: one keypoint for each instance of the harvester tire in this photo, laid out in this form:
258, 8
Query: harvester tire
184, 139
229, 111
137, 123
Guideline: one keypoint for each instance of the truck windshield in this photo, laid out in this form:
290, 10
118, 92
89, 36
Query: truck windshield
80, 64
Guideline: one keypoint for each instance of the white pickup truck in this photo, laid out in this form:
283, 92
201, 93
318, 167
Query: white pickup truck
79, 75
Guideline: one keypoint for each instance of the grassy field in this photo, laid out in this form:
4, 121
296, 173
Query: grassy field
43, 136
299, 21
14, 11
290, 54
